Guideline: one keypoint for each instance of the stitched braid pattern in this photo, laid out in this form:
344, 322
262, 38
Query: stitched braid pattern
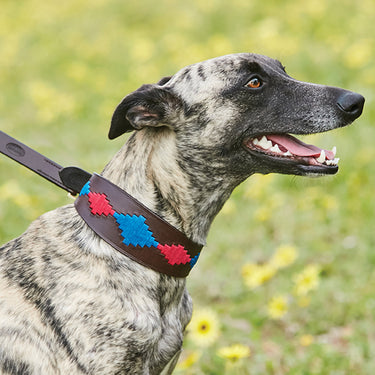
134, 229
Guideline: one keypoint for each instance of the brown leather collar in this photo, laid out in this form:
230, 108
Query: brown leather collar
114, 215
134, 230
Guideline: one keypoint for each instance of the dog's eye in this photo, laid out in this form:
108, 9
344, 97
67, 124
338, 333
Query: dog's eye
254, 83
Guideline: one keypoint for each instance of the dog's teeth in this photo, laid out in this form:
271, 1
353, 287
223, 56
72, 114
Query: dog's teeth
255, 141
334, 150
288, 153
275, 149
332, 161
265, 143
322, 157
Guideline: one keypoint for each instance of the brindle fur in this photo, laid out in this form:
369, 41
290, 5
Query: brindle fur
71, 304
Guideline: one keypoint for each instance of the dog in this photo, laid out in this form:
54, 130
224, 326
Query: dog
69, 302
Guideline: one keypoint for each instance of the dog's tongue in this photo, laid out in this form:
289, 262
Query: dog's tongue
297, 147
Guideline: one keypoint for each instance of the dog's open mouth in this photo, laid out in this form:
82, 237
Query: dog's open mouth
290, 149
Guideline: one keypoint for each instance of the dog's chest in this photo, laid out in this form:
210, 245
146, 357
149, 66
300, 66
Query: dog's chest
129, 318
105, 314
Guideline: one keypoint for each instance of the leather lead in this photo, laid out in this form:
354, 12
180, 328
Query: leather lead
70, 179
114, 215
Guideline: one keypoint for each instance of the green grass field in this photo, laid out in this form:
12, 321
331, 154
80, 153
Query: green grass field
65, 65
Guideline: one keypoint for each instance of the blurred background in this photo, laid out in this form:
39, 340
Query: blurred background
286, 283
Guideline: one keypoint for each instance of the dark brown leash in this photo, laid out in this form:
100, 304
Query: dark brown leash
70, 179
114, 215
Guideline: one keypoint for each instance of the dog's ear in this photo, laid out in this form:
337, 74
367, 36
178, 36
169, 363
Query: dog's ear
147, 106
164, 80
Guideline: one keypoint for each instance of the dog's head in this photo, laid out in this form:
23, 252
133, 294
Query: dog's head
238, 112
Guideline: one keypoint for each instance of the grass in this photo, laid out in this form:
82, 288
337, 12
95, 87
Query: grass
63, 69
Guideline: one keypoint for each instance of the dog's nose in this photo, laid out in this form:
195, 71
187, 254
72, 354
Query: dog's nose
351, 103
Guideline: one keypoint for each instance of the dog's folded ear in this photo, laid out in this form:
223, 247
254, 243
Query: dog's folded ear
150, 105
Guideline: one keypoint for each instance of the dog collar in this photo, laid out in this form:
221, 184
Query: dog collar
114, 215
134, 230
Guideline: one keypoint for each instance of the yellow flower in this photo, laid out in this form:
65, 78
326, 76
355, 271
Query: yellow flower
358, 54
188, 361
307, 280
248, 269
44, 96
303, 301
257, 274
263, 214
234, 352
277, 307
229, 208
329, 202
258, 186
204, 327
284, 256
306, 340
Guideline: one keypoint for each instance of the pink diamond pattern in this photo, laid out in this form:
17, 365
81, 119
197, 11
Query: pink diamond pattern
99, 204
175, 254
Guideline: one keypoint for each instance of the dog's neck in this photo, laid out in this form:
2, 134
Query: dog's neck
150, 168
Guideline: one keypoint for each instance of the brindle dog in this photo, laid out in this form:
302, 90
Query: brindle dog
70, 303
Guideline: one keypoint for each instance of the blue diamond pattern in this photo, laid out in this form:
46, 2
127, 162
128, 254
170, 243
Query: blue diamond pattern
194, 260
86, 189
134, 230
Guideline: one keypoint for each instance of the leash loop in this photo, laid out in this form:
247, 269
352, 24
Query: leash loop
70, 179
